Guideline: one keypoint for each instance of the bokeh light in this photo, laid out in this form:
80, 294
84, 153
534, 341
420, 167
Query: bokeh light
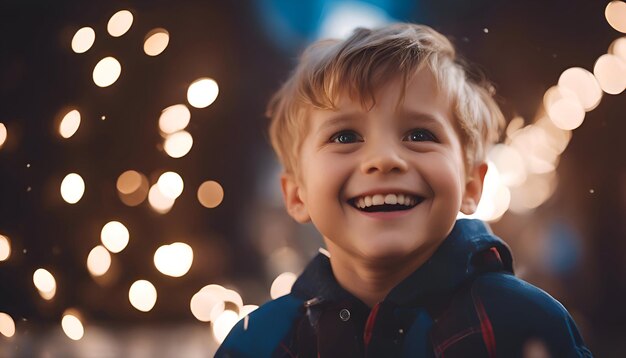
224, 324
170, 184
615, 13
159, 202
178, 144
156, 42
618, 48
282, 284
132, 187
142, 295
69, 124
72, 326
174, 118
246, 310
210, 194
174, 260
83, 40
72, 188
563, 107
120, 23
114, 236
509, 163
106, 72
202, 92
3, 134
7, 325
207, 304
98, 261
45, 283
5, 248
610, 71
535, 191
584, 85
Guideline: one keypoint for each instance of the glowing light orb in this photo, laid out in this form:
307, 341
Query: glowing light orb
72, 326
584, 85
132, 187
178, 144
142, 295
5, 248
202, 92
106, 72
3, 134
44, 281
114, 236
224, 324
120, 23
610, 71
174, 260
618, 48
69, 124
7, 325
509, 164
210, 194
174, 118
282, 284
72, 188
171, 184
206, 305
615, 13
156, 42
98, 261
158, 201
83, 40
564, 108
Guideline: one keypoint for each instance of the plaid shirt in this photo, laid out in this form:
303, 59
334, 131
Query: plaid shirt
463, 302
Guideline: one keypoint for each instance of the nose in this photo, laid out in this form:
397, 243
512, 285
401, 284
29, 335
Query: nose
385, 157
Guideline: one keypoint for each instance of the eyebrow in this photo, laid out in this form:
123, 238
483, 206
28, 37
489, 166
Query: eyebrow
420, 117
338, 120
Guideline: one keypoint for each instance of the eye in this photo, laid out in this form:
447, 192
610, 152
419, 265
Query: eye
420, 135
345, 137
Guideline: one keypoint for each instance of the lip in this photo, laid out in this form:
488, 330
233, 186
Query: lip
385, 192
386, 215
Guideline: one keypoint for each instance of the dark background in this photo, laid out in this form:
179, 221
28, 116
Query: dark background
527, 46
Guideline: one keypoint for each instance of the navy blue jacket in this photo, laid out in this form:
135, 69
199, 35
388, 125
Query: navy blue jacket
463, 302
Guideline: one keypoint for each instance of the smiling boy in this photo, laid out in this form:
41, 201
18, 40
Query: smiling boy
383, 140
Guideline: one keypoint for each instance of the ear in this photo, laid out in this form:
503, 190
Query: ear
296, 207
473, 188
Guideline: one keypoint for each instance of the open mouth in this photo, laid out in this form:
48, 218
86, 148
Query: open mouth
385, 203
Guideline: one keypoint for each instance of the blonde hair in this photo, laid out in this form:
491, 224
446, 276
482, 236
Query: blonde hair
366, 60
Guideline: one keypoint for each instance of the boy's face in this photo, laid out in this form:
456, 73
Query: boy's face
409, 152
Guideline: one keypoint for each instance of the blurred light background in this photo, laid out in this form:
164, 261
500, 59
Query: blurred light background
140, 212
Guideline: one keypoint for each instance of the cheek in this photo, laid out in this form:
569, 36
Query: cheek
444, 175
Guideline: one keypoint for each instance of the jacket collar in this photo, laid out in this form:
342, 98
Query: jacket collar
448, 267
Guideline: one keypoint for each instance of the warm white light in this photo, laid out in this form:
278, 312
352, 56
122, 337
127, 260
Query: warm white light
5, 248
142, 295
282, 284
202, 92
206, 305
44, 281
495, 198
509, 164
158, 201
174, 118
584, 85
563, 108
114, 236
83, 39
178, 144
69, 124
7, 325
171, 184
247, 309
120, 23
174, 259
610, 71
48, 295
210, 194
3, 134
132, 187
618, 48
72, 188
98, 261
535, 191
72, 326
106, 72
223, 324
615, 13
156, 42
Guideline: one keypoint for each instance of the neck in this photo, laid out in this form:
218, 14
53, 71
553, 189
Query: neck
371, 280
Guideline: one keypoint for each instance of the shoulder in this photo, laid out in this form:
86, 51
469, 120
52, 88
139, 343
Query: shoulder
261, 332
521, 313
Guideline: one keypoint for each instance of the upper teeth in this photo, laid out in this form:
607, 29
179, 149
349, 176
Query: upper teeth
380, 199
